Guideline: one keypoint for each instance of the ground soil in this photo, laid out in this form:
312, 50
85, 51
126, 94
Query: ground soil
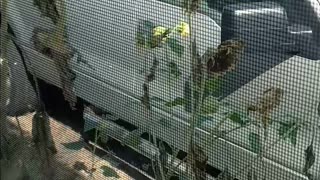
73, 160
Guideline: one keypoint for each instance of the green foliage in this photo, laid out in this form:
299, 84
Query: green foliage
176, 102
174, 69
210, 105
144, 34
150, 36
175, 46
109, 172
283, 130
103, 127
212, 86
239, 118
255, 143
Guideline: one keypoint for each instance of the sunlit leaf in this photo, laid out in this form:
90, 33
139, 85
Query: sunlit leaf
176, 102
184, 29
78, 145
210, 105
109, 172
255, 143
283, 130
175, 46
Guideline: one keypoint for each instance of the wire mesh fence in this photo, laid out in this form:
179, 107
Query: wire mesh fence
160, 89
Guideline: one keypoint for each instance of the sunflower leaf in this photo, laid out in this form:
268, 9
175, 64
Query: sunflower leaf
175, 46
255, 143
176, 102
109, 172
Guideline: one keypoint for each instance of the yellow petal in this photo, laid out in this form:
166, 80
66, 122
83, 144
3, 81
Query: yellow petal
158, 31
184, 29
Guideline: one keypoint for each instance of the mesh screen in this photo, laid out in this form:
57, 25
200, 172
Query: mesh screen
160, 89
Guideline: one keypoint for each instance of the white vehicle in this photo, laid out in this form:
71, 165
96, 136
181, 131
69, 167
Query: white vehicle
280, 52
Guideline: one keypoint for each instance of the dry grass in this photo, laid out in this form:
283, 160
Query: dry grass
64, 160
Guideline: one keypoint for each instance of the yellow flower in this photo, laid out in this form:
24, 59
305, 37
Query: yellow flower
184, 29
160, 35
158, 31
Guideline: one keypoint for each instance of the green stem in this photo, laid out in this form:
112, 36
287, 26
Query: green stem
60, 28
94, 152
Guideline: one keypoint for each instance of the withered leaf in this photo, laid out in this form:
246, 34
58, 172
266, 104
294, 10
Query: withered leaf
224, 58
309, 158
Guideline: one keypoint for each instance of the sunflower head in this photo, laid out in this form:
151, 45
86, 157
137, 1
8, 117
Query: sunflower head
224, 58
183, 29
191, 6
160, 35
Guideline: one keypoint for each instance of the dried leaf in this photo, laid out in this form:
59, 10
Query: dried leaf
191, 6
163, 155
309, 158
199, 161
48, 8
224, 58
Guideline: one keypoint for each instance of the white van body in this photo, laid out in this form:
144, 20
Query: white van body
103, 33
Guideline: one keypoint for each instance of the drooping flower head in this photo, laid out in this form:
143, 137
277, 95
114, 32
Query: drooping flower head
224, 58
191, 6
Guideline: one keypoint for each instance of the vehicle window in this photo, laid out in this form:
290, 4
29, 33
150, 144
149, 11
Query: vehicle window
213, 8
